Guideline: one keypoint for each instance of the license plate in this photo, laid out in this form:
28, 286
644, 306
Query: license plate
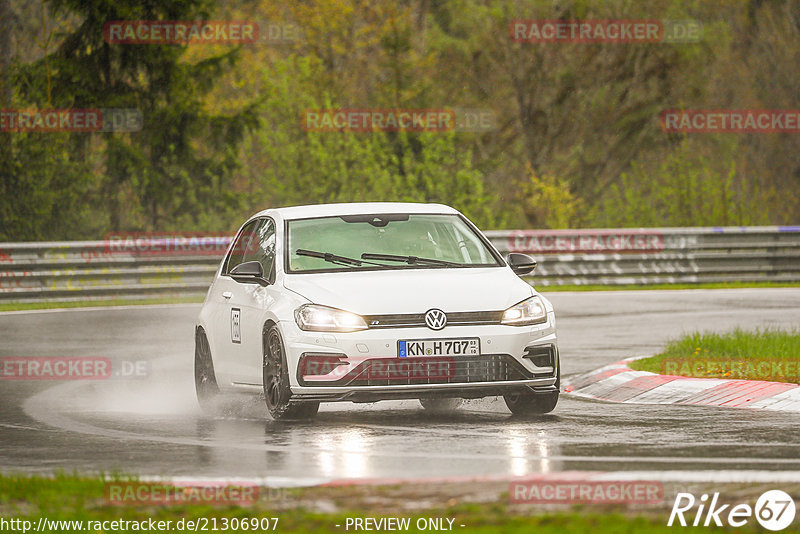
470, 346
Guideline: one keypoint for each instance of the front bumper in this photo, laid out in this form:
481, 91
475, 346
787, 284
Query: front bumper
467, 391
501, 367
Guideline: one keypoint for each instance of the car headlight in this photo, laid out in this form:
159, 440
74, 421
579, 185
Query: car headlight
325, 319
529, 311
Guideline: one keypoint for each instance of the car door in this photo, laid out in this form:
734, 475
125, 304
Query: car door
225, 295
252, 301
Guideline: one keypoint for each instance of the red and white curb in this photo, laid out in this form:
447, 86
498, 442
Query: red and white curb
619, 383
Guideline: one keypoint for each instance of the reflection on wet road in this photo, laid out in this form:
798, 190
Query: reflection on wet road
152, 425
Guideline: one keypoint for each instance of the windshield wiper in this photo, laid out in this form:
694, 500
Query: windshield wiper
411, 260
334, 258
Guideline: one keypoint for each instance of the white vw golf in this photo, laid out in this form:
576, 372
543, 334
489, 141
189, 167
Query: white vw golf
373, 301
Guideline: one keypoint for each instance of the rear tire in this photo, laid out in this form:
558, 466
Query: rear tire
441, 405
205, 380
277, 392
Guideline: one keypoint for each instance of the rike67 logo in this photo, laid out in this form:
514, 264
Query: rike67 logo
774, 510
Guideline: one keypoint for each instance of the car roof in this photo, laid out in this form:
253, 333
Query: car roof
355, 208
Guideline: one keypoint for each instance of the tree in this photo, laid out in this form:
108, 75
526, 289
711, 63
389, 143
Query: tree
293, 166
176, 170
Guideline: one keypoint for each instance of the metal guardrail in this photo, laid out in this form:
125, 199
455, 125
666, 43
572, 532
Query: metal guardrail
659, 255
146, 267
138, 268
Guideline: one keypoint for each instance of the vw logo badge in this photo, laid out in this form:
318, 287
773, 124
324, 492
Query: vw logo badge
435, 319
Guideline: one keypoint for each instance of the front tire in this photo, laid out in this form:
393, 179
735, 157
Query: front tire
529, 403
441, 405
277, 392
205, 380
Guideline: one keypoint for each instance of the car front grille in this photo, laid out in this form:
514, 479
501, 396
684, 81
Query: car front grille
405, 320
431, 370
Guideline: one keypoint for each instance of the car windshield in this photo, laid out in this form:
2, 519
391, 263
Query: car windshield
385, 241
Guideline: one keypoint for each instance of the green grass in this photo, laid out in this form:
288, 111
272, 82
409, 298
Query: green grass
47, 305
628, 287
772, 355
82, 498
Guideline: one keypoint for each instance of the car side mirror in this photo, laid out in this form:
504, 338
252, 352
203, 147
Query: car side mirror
249, 272
521, 263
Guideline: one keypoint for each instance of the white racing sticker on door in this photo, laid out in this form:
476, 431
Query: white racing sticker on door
236, 325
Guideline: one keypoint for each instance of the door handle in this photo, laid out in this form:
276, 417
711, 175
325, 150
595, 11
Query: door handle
227, 294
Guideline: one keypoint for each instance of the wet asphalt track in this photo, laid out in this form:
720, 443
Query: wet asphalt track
152, 426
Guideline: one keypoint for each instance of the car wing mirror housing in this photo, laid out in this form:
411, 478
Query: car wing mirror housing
521, 263
249, 272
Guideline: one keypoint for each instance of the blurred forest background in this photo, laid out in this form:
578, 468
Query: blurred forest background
577, 141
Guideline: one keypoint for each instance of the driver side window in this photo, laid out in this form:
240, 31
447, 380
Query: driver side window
245, 241
263, 248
